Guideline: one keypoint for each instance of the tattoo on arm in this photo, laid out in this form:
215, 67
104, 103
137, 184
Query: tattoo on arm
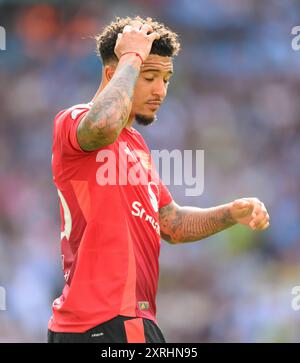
188, 224
110, 111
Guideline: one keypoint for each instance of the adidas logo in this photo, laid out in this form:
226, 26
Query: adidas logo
97, 335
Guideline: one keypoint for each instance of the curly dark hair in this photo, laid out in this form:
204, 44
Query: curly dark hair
167, 45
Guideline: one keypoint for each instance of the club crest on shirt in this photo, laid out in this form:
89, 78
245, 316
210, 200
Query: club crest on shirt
144, 158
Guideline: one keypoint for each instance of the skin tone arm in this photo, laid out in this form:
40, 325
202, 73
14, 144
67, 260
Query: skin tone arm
109, 114
188, 224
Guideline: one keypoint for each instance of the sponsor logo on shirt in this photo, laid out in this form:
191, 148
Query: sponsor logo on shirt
139, 211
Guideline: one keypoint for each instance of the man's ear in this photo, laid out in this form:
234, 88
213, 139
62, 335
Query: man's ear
109, 72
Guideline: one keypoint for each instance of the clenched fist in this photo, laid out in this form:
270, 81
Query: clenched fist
250, 212
137, 37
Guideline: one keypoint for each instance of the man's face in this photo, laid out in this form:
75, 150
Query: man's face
151, 88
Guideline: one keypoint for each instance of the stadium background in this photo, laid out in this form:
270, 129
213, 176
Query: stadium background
235, 94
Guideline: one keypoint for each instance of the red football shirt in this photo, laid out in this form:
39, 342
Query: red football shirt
110, 238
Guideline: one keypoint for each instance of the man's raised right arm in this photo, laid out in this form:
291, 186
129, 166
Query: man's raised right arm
105, 120
109, 113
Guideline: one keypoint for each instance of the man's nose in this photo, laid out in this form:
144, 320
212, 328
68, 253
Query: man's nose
160, 89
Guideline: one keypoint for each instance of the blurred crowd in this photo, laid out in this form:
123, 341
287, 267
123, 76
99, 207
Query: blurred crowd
235, 94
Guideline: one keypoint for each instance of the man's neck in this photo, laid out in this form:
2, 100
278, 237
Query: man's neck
130, 122
100, 89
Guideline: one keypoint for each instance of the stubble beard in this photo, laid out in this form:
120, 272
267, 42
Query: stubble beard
145, 120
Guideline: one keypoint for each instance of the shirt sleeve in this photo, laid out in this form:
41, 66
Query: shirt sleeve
66, 123
165, 195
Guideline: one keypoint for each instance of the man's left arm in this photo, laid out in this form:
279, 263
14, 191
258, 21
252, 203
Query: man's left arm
189, 224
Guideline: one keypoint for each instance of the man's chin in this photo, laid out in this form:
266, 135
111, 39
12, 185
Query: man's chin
145, 120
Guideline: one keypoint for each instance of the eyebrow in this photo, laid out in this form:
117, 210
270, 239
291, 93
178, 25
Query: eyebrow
155, 70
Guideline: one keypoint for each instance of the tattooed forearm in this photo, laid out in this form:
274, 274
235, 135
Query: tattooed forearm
188, 224
110, 111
